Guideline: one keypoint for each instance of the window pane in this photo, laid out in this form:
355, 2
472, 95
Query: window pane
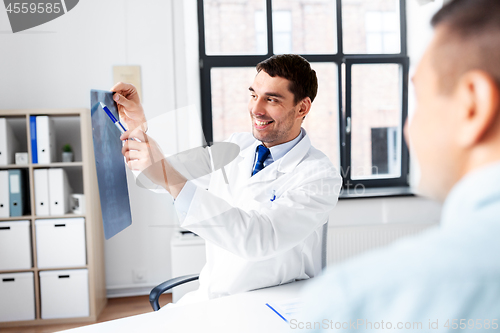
322, 122
371, 26
235, 27
230, 96
282, 31
304, 26
376, 121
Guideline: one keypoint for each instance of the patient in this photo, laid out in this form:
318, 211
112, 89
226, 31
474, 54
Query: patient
447, 278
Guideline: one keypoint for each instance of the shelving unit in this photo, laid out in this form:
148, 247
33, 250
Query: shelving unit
73, 126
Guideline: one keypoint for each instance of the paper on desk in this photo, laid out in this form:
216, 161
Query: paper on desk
286, 309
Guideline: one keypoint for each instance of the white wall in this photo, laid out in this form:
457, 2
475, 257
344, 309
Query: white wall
55, 65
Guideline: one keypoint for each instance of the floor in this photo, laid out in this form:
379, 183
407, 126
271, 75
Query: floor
115, 309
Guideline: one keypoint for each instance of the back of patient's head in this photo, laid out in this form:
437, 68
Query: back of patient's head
471, 40
455, 128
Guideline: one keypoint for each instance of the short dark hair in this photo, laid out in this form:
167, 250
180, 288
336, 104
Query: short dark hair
303, 80
472, 39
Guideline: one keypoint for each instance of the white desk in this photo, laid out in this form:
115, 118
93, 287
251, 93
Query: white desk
246, 312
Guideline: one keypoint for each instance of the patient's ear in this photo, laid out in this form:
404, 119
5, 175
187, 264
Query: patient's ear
478, 104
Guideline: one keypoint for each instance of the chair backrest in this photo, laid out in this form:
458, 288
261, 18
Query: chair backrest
324, 245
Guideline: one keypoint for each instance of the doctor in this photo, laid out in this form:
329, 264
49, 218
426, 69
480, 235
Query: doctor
263, 227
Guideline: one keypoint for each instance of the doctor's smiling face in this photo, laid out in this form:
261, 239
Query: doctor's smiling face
280, 98
275, 117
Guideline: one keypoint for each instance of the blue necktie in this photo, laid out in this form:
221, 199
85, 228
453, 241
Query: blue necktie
262, 154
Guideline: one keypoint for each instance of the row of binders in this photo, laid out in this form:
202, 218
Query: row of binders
52, 192
43, 143
13, 193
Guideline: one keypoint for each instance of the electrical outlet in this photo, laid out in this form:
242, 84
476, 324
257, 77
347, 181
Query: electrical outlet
139, 275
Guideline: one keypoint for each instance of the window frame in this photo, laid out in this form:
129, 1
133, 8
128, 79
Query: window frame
344, 65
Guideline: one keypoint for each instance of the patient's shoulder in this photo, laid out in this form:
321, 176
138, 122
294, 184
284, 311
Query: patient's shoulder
445, 255
432, 259
437, 271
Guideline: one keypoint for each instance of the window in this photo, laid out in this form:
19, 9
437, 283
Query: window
356, 47
382, 32
374, 107
282, 31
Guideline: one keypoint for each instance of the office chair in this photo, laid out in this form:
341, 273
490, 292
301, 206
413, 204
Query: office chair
157, 291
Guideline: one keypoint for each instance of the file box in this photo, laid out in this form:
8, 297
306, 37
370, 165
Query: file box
17, 297
64, 293
15, 245
60, 242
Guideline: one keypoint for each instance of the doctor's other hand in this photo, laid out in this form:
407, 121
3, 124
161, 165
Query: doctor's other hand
143, 154
146, 156
129, 106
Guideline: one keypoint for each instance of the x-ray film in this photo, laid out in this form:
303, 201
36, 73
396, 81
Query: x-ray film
110, 165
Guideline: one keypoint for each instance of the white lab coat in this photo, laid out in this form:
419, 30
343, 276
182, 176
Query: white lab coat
251, 241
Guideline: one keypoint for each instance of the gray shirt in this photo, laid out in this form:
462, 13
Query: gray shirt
447, 277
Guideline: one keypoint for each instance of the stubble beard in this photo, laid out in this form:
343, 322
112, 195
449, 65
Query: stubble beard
280, 132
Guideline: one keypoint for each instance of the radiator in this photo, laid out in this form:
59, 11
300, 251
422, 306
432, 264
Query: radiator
346, 242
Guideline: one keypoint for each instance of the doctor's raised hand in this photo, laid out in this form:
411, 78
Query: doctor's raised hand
143, 154
129, 106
